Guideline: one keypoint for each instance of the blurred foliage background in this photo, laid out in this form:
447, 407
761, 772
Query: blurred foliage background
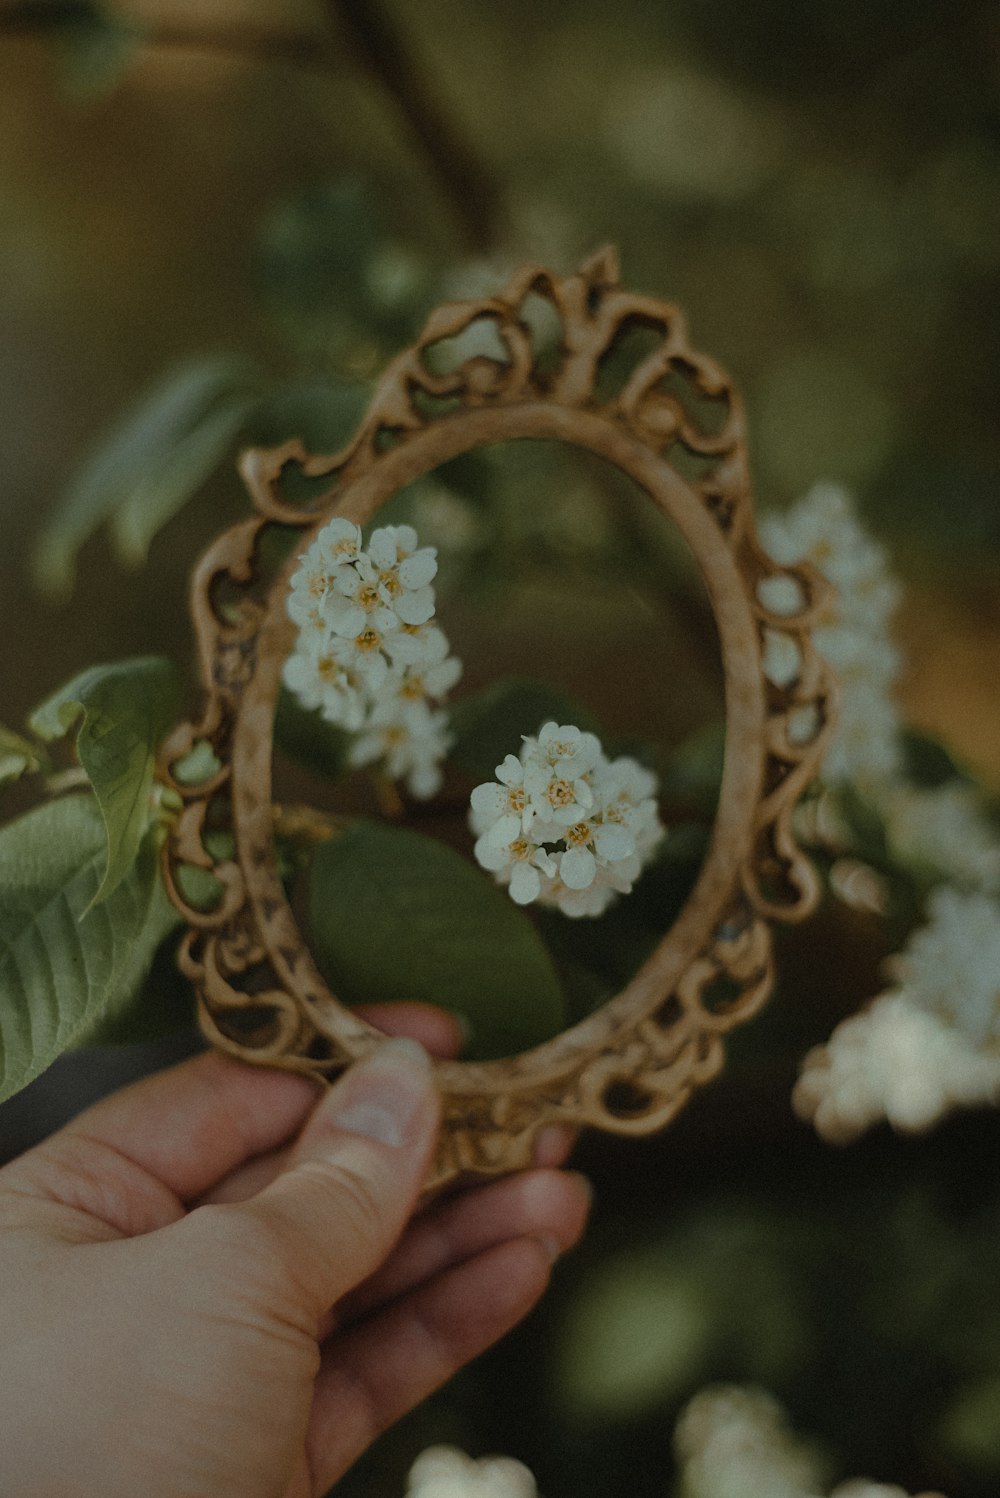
287, 186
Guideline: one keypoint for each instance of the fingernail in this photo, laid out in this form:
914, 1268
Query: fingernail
380, 1096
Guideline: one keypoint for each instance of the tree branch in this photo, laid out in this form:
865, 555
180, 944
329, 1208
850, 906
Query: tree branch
463, 178
464, 181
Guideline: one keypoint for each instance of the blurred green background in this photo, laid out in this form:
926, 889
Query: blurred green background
818, 185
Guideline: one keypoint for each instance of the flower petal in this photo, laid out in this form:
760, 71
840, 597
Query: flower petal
418, 570
488, 856
504, 831
524, 884
613, 841
511, 772
416, 607
577, 868
489, 800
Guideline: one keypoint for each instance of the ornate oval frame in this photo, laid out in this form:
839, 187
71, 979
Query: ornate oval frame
630, 1066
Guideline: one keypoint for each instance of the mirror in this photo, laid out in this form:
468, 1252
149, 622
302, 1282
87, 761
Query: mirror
633, 413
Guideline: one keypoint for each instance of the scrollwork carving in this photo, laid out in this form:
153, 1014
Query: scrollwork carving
631, 1065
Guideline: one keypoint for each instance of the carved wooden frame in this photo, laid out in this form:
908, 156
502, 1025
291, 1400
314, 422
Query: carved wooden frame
631, 1065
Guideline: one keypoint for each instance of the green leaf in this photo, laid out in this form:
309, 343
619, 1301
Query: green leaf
309, 739
131, 455
95, 48
163, 1004
18, 756
929, 763
65, 962
126, 709
693, 773
323, 415
490, 724
396, 915
163, 490
636, 1338
865, 825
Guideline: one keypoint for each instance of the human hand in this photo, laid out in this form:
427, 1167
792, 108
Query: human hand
195, 1302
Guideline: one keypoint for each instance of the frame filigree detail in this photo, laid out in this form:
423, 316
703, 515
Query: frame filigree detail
630, 1066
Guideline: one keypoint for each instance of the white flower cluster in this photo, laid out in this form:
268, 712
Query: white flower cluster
824, 530
735, 1442
368, 655
942, 829
924, 1048
951, 966
892, 1061
446, 1472
565, 825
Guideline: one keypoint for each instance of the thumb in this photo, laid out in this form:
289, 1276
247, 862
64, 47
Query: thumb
352, 1181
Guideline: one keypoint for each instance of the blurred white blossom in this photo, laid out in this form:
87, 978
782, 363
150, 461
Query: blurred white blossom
564, 825
824, 530
368, 655
943, 829
735, 1442
897, 1061
446, 1472
951, 965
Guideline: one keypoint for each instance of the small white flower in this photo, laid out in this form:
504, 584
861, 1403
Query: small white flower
516, 861
566, 750
403, 572
943, 829
563, 826
417, 645
325, 678
409, 739
446, 1472
897, 1061
356, 600
367, 654
492, 801
735, 1442
951, 965
824, 530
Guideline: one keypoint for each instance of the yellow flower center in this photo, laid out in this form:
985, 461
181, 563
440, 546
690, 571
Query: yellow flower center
520, 849
390, 582
413, 688
368, 639
560, 793
517, 800
577, 835
368, 597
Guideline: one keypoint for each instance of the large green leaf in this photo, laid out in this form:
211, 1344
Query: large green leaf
396, 915
126, 708
162, 490
490, 724
306, 737
139, 453
65, 963
18, 756
928, 762
95, 47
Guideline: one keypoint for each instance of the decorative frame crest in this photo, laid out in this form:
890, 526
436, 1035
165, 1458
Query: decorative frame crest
631, 1065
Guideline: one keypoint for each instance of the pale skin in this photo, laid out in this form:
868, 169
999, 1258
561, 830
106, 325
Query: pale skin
215, 1284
